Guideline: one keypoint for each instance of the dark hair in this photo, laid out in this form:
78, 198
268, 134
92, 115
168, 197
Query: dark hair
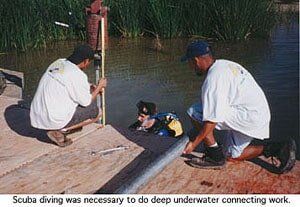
80, 53
146, 108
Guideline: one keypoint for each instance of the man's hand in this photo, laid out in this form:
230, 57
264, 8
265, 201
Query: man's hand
207, 130
189, 148
102, 83
99, 88
92, 87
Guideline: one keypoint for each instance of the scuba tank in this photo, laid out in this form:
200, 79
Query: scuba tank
167, 124
2, 82
163, 124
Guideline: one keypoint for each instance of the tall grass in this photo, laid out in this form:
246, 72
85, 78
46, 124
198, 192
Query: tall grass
163, 17
219, 19
30, 23
195, 18
240, 19
126, 17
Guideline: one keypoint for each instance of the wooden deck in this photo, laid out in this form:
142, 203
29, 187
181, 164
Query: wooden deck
15, 83
30, 163
236, 178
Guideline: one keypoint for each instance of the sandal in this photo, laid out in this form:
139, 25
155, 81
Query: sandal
59, 138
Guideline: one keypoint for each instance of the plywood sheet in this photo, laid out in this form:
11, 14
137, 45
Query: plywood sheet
237, 177
19, 142
15, 82
78, 168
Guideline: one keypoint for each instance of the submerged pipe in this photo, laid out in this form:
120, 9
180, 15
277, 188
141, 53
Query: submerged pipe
155, 167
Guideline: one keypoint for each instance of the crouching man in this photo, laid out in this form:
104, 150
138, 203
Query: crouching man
65, 101
231, 100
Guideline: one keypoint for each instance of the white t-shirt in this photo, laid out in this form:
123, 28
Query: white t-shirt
61, 89
232, 98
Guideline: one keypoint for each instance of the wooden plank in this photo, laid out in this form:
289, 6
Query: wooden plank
237, 177
15, 83
74, 169
19, 142
31, 163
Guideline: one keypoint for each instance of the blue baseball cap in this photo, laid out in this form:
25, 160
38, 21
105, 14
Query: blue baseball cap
196, 48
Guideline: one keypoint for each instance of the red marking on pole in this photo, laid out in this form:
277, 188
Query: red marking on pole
94, 13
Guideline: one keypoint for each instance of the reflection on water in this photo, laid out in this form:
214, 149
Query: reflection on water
135, 71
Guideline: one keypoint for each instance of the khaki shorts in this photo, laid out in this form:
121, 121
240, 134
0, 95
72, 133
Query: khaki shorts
234, 142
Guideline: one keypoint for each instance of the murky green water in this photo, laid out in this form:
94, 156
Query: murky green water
136, 71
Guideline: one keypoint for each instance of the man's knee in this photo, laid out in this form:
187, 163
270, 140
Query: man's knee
233, 152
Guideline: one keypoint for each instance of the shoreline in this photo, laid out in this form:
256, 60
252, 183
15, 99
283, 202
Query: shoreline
287, 7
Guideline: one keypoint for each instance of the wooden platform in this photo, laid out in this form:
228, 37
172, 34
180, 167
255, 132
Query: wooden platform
30, 163
15, 83
240, 177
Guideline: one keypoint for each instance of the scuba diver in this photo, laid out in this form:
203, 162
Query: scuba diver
149, 120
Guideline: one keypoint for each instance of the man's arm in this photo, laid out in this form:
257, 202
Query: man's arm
207, 128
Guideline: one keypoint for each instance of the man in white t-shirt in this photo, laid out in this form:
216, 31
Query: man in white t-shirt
65, 101
231, 100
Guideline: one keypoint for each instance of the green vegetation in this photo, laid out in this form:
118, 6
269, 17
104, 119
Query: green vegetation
30, 23
240, 19
124, 17
218, 19
163, 18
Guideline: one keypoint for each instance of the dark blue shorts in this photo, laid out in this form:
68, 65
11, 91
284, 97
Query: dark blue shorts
84, 113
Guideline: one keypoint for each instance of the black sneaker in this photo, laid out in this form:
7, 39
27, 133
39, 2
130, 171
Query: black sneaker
287, 156
284, 152
213, 159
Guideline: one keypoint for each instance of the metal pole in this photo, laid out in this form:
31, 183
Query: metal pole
155, 167
97, 60
103, 67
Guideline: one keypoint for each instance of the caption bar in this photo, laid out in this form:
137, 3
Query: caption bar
149, 200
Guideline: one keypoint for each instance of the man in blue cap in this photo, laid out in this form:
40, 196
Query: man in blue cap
231, 100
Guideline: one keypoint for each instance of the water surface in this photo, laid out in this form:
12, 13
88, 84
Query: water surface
136, 71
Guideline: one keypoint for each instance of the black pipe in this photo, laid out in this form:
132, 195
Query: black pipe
155, 167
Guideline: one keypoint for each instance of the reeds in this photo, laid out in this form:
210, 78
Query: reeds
163, 18
218, 19
30, 23
240, 19
126, 17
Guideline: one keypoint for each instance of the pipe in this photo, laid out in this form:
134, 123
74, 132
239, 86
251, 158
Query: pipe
103, 69
97, 62
62, 24
155, 167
